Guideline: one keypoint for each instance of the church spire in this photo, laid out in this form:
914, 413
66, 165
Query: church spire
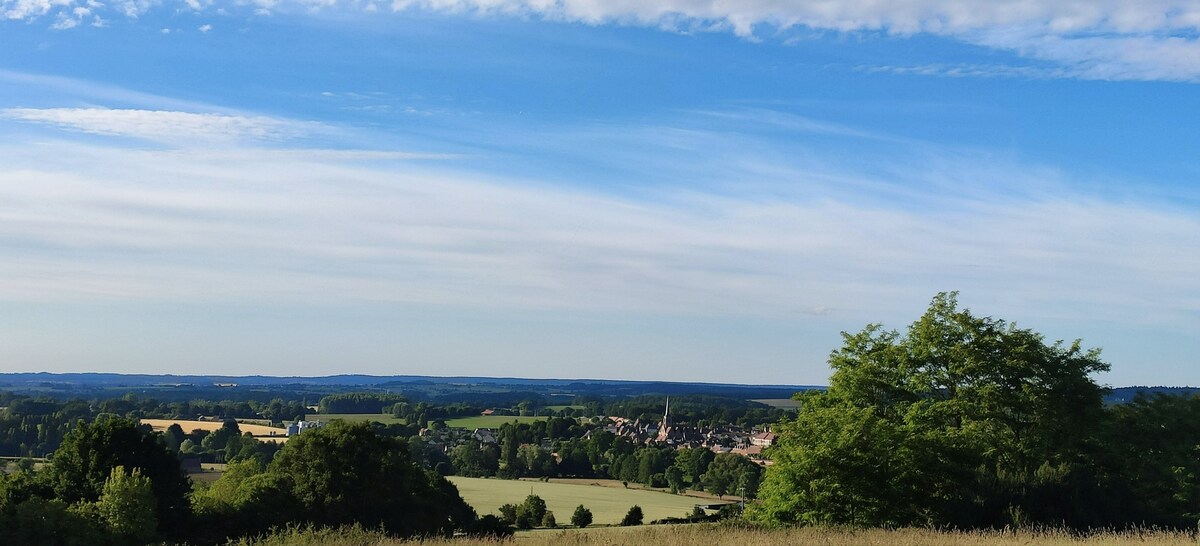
663, 429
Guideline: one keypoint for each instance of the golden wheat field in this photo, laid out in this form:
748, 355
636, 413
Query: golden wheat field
709, 535
260, 432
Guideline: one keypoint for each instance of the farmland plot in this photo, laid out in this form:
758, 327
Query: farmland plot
608, 504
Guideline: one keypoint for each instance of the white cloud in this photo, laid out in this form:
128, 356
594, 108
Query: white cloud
1095, 39
305, 227
972, 71
1098, 39
160, 125
205, 28
65, 22
761, 231
27, 9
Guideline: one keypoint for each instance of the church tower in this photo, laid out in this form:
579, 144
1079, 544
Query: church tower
663, 429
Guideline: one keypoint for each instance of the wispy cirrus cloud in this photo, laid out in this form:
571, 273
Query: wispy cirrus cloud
970, 71
738, 226
163, 125
100, 223
1100, 39
1091, 39
94, 92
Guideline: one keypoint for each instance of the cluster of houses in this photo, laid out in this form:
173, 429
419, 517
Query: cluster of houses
725, 439
722, 439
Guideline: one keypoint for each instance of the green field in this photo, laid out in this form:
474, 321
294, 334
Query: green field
489, 421
782, 403
608, 504
560, 408
377, 417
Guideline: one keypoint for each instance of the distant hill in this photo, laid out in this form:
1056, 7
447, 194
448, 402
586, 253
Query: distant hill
417, 387
1121, 395
443, 389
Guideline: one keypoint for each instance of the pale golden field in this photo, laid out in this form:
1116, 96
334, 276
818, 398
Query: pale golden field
703, 496
710, 535
608, 504
260, 432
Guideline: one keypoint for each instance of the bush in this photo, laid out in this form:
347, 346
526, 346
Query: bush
508, 513
548, 521
536, 507
632, 517
531, 512
582, 517
524, 519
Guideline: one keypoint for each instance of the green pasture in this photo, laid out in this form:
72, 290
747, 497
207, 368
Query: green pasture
384, 418
560, 408
489, 421
781, 403
608, 504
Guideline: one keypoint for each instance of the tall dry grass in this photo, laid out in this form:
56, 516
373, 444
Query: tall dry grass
709, 535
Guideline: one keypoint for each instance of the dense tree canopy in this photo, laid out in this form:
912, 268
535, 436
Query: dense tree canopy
359, 402
1152, 453
964, 420
89, 453
342, 473
730, 473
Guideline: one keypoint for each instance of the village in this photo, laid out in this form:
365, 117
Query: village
723, 439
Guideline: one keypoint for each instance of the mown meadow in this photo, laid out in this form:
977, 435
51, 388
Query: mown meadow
608, 504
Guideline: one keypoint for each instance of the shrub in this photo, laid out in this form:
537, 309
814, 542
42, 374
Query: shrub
632, 517
524, 518
582, 517
535, 506
508, 513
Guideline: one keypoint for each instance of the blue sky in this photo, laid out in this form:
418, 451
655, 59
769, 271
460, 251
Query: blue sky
663, 189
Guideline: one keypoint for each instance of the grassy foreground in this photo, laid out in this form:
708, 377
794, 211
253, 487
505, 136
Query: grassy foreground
707, 535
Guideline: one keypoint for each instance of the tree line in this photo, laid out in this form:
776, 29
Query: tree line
35, 426
114, 482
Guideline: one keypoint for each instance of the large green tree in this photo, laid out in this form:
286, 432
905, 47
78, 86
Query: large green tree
732, 474
343, 473
963, 420
347, 473
84, 462
127, 506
